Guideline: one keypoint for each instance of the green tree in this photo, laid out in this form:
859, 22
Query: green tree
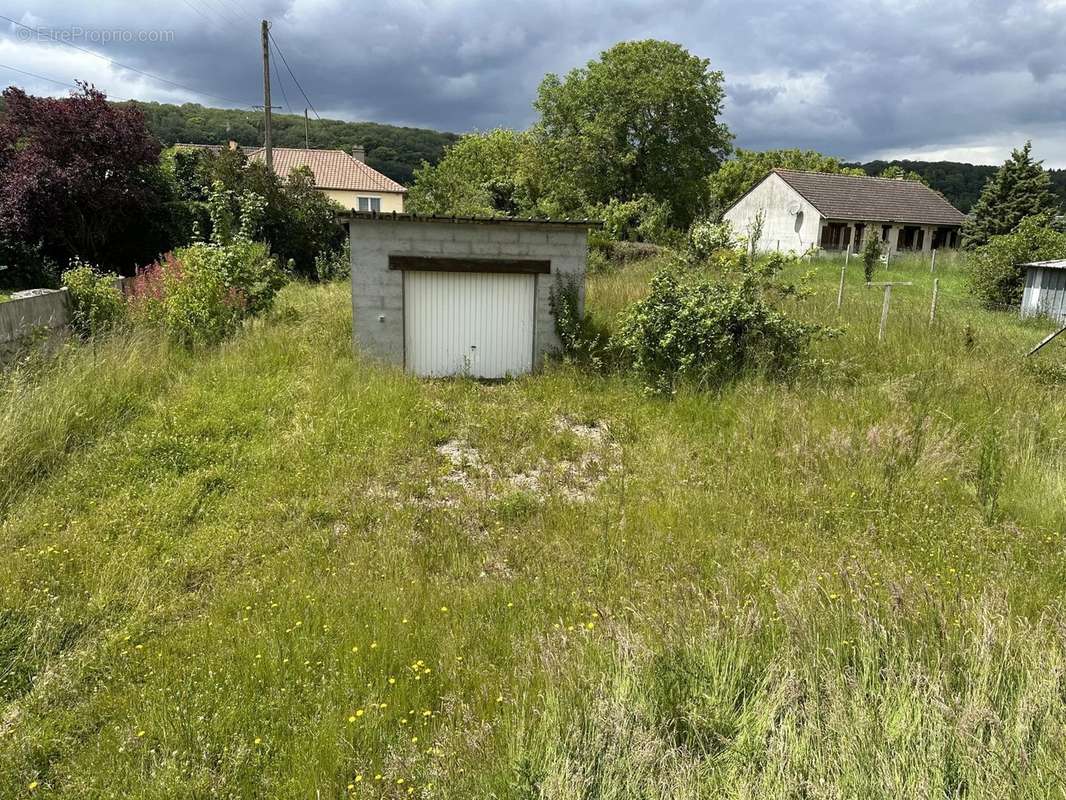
1019, 189
482, 174
871, 254
995, 275
896, 172
640, 120
748, 167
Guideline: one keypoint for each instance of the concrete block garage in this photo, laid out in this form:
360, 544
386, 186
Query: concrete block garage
447, 296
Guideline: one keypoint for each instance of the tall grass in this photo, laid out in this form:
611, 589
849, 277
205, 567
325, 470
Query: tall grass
256, 572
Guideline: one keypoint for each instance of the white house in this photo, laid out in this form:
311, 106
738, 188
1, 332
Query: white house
801, 210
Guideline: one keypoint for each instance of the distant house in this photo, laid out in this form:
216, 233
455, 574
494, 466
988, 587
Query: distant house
344, 177
801, 210
1045, 289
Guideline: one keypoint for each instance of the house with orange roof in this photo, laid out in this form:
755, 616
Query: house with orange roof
344, 177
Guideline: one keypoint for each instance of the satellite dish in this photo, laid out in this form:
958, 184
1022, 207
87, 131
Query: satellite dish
794, 209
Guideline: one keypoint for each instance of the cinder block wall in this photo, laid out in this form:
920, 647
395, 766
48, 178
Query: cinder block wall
26, 316
377, 291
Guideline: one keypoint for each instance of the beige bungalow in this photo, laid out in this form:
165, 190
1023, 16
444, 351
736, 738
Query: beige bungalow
804, 210
341, 176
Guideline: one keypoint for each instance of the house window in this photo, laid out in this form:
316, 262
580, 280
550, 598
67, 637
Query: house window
370, 204
834, 236
859, 228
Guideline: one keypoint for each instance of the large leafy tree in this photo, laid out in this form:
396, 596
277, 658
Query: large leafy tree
80, 177
641, 120
480, 175
748, 167
1019, 189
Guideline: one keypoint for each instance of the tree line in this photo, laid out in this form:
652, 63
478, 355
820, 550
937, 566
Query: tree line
391, 150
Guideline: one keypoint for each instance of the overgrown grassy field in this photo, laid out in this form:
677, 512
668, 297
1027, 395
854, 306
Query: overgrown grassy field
273, 570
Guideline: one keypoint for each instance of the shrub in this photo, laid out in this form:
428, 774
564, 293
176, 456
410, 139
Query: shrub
200, 293
333, 265
705, 238
871, 253
642, 220
995, 277
711, 330
581, 340
96, 304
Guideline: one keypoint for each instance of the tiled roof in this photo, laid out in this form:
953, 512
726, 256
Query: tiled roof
852, 197
333, 169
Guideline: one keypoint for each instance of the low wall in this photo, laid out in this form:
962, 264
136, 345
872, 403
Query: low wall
44, 314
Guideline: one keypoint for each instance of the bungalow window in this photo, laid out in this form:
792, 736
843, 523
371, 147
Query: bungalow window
834, 236
910, 238
370, 204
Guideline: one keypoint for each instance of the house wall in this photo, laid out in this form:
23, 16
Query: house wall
390, 201
781, 230
377, 291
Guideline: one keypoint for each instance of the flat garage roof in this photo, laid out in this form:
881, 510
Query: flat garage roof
502, 220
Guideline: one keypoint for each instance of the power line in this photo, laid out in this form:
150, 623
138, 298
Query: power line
277, 76
291, 75
198, 11
39, 77
128, 67
52, 80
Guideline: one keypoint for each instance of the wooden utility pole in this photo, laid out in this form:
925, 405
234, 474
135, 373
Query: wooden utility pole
307, 136
884, 306
268, 150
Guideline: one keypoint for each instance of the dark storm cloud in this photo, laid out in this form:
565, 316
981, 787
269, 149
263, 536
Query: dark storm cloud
851, 78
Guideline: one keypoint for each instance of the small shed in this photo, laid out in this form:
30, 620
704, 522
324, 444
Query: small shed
445, 296
1045, 289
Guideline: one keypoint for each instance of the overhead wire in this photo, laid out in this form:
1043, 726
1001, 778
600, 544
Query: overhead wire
128, 67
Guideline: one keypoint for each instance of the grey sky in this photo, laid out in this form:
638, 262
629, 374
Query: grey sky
853, 78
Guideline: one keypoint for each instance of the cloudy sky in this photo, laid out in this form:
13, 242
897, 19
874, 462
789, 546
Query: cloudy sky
957, 79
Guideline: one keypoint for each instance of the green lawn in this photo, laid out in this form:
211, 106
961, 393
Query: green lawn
275, 570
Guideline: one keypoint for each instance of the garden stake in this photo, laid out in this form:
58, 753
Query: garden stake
884, 307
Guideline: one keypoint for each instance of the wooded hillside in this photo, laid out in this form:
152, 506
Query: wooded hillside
395, 151
960, 183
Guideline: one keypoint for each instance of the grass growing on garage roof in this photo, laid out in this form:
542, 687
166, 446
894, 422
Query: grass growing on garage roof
273, 570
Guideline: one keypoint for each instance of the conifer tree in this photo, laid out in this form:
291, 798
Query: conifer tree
1019, 189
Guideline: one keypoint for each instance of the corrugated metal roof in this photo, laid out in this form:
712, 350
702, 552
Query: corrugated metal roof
333, 169
1058, 263
864, 199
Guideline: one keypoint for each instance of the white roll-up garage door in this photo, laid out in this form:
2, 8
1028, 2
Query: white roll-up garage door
468, 323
